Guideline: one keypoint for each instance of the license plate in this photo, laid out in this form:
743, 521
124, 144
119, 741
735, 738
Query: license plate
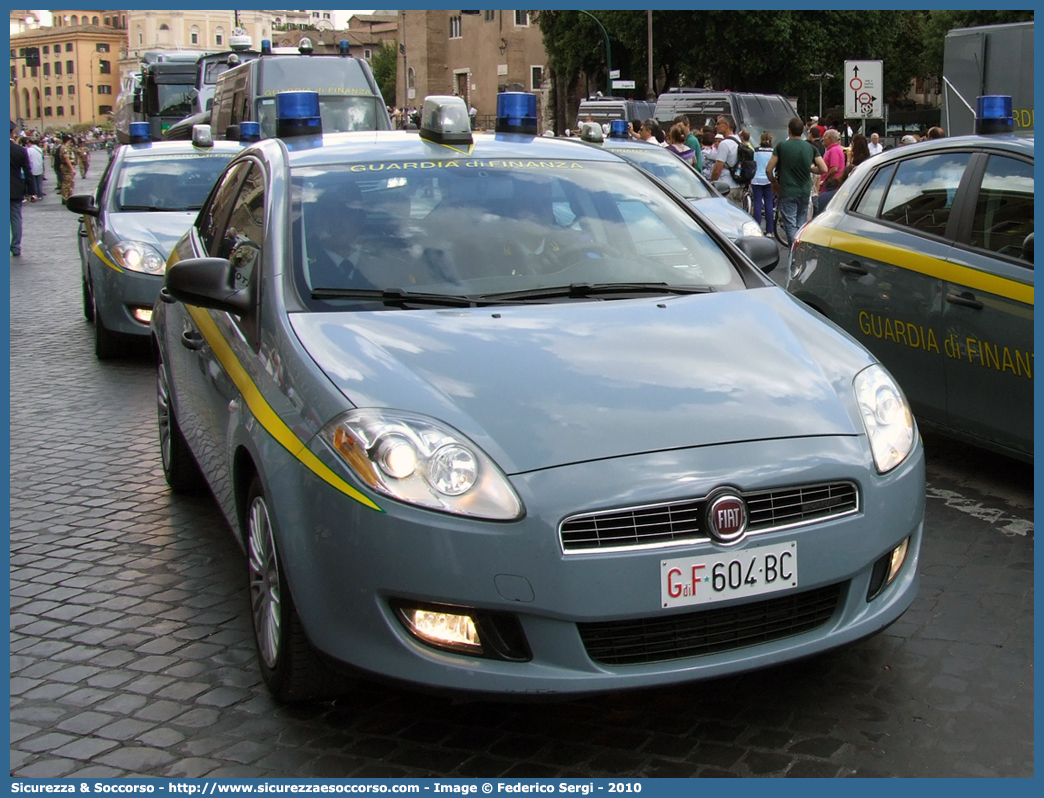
717, 577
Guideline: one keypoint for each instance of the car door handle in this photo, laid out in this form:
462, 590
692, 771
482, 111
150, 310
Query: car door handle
190, 339
853, 269
165, 296
966, 300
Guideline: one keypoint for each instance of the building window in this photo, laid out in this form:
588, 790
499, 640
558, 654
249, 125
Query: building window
105, 67
83, 20
46, 50
68, 47
48, 111
521, 19
454, 32
68, 67
14, 73
367, 54
57, 68
194, 37
59, 90
536, 77
32, 72
94, 20
411, 78
326, 16
219, 36
102, 47
61, 108
104, 89
47, 69
47, 91
108, 20
72, 110
104, 109
490, 16
72, 90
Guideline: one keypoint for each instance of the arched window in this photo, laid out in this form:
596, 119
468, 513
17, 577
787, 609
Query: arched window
163, 36
83, 20
194, 34
219, 36
94, 20
411, 78
73, 20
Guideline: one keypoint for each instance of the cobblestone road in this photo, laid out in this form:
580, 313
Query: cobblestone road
131, 652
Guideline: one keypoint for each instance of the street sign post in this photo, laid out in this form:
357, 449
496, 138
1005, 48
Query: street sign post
864, 90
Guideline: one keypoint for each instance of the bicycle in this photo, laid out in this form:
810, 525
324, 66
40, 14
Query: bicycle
779, 232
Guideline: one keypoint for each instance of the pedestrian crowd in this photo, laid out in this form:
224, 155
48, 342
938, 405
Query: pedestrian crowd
32, 151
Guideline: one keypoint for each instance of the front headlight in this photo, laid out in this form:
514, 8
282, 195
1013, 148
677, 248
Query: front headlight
421, 461
886, 416
137, 256
751, 228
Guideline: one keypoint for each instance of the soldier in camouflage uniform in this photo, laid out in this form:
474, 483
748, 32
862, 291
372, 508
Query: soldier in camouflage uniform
67, 154
83, 156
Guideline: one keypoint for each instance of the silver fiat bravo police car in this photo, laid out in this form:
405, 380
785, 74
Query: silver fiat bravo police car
147, 198
505, 415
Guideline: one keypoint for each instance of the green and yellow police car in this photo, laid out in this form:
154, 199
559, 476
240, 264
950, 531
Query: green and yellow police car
925, 257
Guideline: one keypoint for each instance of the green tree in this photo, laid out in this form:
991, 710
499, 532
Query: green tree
385, 64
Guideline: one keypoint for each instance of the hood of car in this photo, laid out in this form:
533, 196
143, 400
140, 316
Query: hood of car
160, 229
723, 215
540, 386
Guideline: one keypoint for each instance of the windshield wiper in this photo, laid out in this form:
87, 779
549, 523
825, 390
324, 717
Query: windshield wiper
585, 290
397, 296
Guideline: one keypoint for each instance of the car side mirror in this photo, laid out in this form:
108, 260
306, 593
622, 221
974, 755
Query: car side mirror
82, 204
760, 249
722, 187
208, 283
1027, 248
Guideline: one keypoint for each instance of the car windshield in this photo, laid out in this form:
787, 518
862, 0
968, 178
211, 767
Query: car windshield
168, 183
668, 167
494, 231
340, 114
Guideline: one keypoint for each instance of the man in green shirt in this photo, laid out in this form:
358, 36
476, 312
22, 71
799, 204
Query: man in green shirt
790, 170
691, 141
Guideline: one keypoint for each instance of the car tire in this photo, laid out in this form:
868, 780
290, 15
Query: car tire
88, 301
179, 466
290, 667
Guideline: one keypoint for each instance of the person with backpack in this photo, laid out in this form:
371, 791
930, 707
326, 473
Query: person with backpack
733, 163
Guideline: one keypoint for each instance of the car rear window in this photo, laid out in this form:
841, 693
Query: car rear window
473, 227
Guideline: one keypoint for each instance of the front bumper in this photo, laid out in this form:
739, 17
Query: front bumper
118, 293
347, 565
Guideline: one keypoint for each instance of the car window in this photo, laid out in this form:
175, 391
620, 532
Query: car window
241, 243
870, 202
168, 183
211, 223
667, 167
1004, 210
922, 192
467, 227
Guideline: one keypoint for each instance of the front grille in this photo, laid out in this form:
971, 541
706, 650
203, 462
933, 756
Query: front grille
680, 523
695, 634
772, 509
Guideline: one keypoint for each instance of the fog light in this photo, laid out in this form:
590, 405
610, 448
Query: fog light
144, 315
443, 629
898, 558
886, 568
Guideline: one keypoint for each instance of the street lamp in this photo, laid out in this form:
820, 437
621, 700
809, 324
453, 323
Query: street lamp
820, 76
91, 87
608, 52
